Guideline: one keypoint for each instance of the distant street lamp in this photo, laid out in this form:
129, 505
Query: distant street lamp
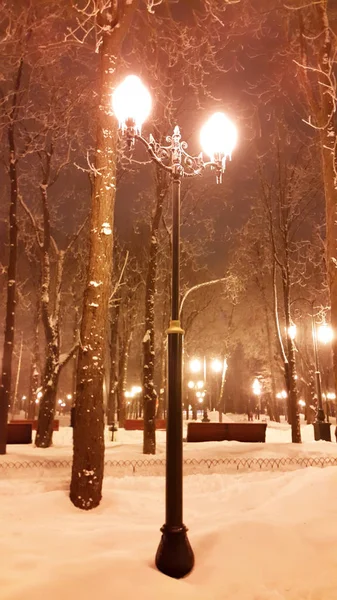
131, 103
217, 366
323, 333
257, 389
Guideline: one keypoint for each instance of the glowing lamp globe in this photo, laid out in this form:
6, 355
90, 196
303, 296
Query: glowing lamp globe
195, 365
325, 333
292, 330
216, 365
218, 137
131, 100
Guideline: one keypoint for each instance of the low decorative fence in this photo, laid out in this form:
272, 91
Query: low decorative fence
156, 466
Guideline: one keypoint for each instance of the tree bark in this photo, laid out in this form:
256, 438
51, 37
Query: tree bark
88, 438
34, 370
290, 365
6, 374
111, 409
124, 350
149, 393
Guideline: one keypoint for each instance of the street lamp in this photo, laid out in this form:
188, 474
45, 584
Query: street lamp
131, 103
257, 392
324, 334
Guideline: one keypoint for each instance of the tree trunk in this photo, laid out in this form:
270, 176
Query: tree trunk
123, 371
290, 366
149, 393
323, 49
111, 409
34, 370
6, 374
88, 438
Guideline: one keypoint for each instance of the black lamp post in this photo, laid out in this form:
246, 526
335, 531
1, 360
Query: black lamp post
131, 104
322, 429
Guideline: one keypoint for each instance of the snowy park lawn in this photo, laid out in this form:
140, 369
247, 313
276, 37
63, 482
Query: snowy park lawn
256, 535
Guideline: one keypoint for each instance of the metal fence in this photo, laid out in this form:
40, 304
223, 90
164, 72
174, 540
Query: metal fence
156, 466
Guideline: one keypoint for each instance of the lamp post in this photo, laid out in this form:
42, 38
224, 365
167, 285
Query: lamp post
218, 367
131, 103
323, 334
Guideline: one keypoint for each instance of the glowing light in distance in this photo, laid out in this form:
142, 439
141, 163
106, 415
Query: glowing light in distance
69, 396
136, 389
218, 137
324, 333
200, 385
39, 395
256, 387
301, 402
195, 365
217, 365
292, 331
131, 100
331, 396
190, 385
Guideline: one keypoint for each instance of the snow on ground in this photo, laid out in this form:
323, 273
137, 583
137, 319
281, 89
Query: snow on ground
256, 536
128, 445
267, 535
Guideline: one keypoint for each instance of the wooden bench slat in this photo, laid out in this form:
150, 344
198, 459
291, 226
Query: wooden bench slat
138, 424
56, 423
218, 432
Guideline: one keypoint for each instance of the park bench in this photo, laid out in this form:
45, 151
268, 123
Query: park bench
19, 432
33, 422
138, 424
218, 432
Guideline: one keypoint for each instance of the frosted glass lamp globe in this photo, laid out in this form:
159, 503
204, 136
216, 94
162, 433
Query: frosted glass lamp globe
324, 333
218, 137
131, 100
195, 365
216, 365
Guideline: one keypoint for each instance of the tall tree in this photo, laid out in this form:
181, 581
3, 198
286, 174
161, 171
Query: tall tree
112, 22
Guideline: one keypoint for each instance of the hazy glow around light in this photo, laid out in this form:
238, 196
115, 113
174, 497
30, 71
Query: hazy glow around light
301, 402
292, 331
324, 333
331, 396
195, 365
69, 396
136, 389
131, 100
217, 365
256, 387
190, 385
218, 136
200, 385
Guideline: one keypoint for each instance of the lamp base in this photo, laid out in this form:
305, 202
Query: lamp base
322, 431
174, 556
